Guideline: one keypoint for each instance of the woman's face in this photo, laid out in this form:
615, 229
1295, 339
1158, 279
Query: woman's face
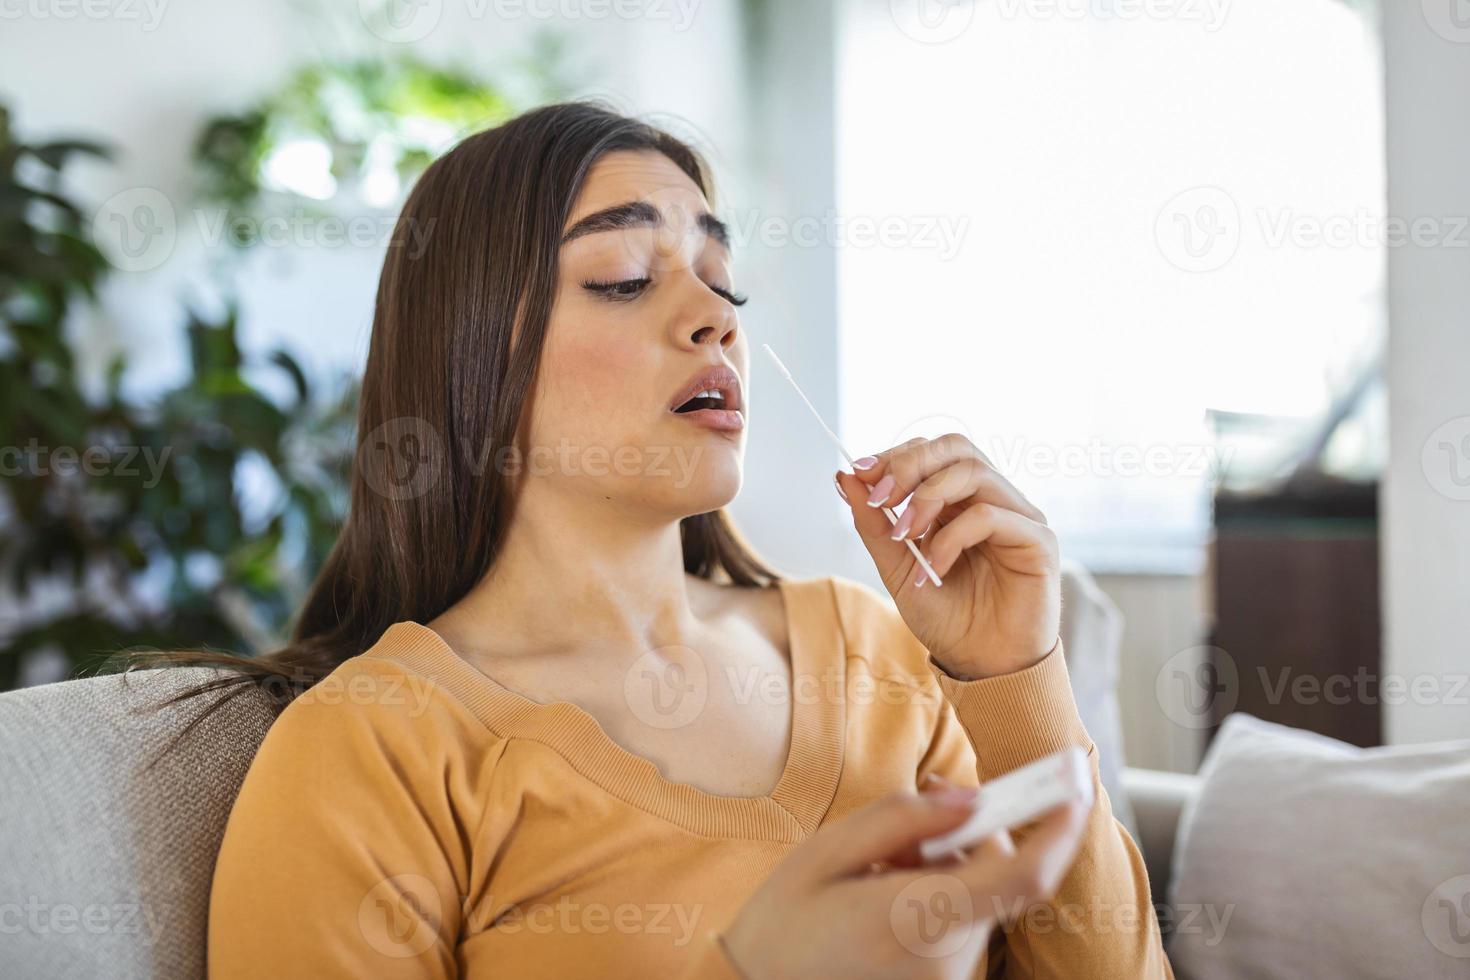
644, 319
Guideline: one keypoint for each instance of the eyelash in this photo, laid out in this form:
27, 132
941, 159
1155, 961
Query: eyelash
627, 289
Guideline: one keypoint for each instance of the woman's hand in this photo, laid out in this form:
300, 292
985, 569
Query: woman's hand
999, 609
825, 911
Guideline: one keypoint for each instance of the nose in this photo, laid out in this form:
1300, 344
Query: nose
724, 335
709, 321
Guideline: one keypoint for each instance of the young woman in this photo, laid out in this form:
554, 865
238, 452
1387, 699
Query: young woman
561, 722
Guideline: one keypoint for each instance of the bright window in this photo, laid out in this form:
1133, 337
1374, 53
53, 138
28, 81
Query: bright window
1072, 228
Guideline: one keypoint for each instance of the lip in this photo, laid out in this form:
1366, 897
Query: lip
727, 383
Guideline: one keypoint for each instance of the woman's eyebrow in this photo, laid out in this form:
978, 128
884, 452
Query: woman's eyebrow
640, 214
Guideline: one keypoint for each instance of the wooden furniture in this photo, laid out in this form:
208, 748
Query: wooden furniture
1297, 608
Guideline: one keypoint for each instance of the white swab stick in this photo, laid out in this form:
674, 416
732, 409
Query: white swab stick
887, 511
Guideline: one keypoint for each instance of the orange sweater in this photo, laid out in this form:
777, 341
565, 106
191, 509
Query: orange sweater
410, 817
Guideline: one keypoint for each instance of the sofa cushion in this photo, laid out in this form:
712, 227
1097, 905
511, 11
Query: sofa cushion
1092, 639
107, 837
1304, 857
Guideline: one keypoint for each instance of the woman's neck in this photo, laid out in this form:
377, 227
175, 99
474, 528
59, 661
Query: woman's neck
574, 573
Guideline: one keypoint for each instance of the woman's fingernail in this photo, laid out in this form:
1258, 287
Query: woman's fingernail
866, 463
880, 493
921, 578
905, 521
956, 796
838, 484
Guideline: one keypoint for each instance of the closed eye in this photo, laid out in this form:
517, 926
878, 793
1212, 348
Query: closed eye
619, 290
734, 299
626, 289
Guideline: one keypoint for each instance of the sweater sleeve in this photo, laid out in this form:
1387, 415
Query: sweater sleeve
1101, 922
347, 851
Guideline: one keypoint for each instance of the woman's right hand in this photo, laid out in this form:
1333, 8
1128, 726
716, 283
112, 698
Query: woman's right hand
826, 911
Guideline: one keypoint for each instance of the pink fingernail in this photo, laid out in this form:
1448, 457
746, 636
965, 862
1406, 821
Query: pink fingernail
866, 463
921, 578
838, 484
905, 521
957, 796
881, 491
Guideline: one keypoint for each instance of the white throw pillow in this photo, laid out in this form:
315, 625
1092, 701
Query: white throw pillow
1306, 857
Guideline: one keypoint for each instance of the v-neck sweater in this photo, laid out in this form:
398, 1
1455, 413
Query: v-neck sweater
409, 816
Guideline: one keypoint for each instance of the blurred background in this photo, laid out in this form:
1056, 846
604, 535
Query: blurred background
1194, 273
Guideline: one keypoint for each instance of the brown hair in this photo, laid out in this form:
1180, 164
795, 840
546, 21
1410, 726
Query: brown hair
462, 307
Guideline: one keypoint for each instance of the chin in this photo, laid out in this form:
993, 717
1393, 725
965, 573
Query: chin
704, 478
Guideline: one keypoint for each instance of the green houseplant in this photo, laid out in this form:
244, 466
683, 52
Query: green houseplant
126, 524
200, 517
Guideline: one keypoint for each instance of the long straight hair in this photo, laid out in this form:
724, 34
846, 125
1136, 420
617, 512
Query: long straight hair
462, 308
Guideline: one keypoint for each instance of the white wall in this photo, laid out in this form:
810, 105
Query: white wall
789, 507
1426, 494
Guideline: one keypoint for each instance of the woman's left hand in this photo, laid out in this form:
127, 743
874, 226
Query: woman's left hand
999, 609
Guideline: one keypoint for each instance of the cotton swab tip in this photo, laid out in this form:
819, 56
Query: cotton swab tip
779, 366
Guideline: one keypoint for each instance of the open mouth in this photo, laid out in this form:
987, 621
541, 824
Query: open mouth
711, 398
716, 388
